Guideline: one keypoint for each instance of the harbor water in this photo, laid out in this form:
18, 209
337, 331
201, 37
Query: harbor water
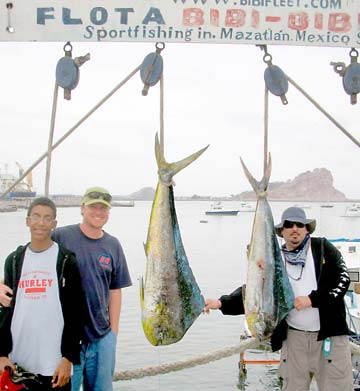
216, 249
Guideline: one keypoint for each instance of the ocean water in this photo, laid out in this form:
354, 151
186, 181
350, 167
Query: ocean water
217, 254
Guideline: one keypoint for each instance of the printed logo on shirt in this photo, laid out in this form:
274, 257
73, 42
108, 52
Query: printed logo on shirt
105, 260
34, 285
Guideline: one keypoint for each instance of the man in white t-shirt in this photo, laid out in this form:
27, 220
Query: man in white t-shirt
41, 330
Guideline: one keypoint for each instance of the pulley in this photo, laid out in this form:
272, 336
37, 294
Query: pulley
67, 70
350, 75
151, 68
275, 79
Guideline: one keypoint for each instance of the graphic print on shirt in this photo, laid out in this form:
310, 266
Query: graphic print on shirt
105, 260
34, 285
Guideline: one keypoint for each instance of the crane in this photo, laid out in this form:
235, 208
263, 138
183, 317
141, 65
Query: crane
29, 182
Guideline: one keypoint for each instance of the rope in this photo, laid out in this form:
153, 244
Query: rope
266, 127
162, 142
86, 116
198, 360
353, 139
51, 139
186, 363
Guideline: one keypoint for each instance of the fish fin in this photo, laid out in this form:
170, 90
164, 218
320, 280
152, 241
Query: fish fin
175, 167
259, 187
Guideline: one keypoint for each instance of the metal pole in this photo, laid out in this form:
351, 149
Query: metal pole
51, 139
353, 139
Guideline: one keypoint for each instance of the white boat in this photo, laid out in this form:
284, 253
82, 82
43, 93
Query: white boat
352, 211
350, 250
220, 210
246, 207
130, 203
303, 206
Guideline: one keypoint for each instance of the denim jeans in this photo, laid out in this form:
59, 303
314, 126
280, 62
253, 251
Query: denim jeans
96, 370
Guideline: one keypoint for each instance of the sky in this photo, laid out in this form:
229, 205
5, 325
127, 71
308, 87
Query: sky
213, 95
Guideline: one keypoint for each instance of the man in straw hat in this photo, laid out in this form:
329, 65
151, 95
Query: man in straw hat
314, 336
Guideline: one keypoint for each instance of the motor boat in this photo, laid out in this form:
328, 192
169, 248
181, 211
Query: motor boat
246, 207
352, 211
219, 209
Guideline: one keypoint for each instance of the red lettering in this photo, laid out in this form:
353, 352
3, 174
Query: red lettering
214, 17
255, 18
32, 283
298, 21
235, 18
193, 17
50, 283
339, 22
319, 21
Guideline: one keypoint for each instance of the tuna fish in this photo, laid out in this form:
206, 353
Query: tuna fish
170, 297
269, 296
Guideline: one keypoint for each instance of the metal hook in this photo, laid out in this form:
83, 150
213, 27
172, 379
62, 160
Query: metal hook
159, 46
353, 55
9, 28
267, 58
68, 49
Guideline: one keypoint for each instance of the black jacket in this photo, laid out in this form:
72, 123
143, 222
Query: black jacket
71, 299
333, 281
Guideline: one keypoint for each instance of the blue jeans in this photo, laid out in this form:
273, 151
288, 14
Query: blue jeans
96, 370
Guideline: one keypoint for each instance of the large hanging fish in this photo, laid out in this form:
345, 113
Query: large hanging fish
269, 296
170, 297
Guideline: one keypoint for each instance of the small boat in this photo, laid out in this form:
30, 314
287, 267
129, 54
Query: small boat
303, 206
352, 211
246, 207
220, 210
123, 203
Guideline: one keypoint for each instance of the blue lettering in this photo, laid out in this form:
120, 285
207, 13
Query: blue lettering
124, 12
98, 15
42, 15
154, 15
67, 19
90, 30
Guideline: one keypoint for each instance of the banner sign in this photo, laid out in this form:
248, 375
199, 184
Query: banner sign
265, 22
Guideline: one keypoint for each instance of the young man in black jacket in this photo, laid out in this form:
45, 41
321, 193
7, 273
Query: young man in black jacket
314, 337
41, 330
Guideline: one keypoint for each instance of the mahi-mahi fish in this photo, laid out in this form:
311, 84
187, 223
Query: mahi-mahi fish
269, 296
170, 296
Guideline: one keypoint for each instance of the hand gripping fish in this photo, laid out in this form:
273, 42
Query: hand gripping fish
269, 296
170, 297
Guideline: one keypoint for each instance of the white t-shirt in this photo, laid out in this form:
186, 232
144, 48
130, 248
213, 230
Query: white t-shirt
307, 319
37, 324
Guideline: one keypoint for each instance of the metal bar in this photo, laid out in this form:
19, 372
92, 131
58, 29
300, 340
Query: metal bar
51, 139
353, 139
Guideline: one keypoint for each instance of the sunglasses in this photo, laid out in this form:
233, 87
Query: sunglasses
290, 224
96, 195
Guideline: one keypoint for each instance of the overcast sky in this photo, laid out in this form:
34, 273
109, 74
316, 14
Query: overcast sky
214, 94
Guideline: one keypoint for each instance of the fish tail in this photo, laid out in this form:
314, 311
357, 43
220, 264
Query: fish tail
176, 166
259, 187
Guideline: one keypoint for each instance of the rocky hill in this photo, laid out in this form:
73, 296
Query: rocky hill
316, 185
